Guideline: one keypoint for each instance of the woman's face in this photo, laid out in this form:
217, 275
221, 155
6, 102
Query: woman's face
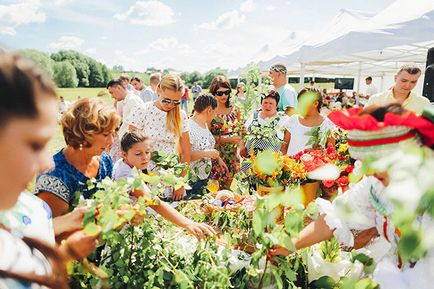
23, 150
169, 99
222, 94
100, 143
138, 155
269, 107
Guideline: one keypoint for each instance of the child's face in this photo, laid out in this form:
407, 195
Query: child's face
138, 155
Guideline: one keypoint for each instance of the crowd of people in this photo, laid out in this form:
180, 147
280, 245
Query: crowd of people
110, 141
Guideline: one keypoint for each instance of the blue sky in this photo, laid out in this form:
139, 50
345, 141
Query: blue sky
185, 35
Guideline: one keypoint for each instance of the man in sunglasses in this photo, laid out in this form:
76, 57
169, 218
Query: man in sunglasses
288, 95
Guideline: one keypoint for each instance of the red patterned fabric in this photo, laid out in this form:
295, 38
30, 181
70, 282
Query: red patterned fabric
350, 120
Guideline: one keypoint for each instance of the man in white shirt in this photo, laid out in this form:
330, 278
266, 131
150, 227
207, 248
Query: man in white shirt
401, 92
288, 95
370, 88
119, 92
150, 94
63, 105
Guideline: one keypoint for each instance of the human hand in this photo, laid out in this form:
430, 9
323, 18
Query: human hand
222, 163
179, 194
277, 250
70, 222
200, 230
213, 153
79, 245
236, 139
364, 237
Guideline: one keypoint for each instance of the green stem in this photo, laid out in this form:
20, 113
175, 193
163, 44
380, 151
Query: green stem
263, 274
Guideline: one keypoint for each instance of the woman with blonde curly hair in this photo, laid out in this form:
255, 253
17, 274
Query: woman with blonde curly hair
164, 123
88, 128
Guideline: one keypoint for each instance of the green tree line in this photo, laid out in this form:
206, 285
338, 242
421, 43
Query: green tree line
71, 69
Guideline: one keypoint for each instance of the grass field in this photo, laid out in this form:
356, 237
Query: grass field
71, 94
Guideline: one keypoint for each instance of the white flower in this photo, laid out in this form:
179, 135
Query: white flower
326, 172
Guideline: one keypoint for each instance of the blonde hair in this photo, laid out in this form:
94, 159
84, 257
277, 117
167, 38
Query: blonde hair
85, 118
173, 83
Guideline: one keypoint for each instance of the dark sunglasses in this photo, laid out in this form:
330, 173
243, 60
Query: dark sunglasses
278, 69
169, 101
221, 93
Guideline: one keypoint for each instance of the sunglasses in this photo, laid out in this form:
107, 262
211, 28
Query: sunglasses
168, 101
278, 69
221, 93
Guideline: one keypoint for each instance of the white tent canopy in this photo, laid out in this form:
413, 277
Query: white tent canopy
356, 43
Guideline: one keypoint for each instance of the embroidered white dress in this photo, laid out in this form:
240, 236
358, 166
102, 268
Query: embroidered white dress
371, 209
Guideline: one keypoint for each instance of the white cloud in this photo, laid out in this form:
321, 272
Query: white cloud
67, 42
247, 6
227, 20
62, 2
166, 44
91, 50
270, 8
148, 13
7, 30
14, 15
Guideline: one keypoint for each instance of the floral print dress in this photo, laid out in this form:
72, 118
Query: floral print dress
226, 125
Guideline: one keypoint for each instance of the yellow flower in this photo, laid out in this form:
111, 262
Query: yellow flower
343, 148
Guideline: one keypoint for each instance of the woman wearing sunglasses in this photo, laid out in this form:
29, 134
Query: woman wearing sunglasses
226, 129
165, 123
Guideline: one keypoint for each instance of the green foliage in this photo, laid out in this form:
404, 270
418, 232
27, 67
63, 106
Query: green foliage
329, 250
208, 77
64, 74
89, 72
190, 77
41, 58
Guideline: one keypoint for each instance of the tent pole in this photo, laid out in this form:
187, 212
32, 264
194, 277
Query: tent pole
382, 82
302, 66
359, 75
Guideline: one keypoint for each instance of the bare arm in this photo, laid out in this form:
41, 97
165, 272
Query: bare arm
172, 215
286, 140
185, 157
57, 205
197, 155
185, 148
313, 233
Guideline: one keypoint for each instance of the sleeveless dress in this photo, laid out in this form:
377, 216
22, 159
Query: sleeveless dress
226, 125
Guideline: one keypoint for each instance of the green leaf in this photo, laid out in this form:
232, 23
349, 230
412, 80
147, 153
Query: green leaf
89, 216
410, 246
366, 283
294, 222
325, 282
91, 229
267, 162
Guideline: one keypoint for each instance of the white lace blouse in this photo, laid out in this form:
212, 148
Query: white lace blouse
151, 121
